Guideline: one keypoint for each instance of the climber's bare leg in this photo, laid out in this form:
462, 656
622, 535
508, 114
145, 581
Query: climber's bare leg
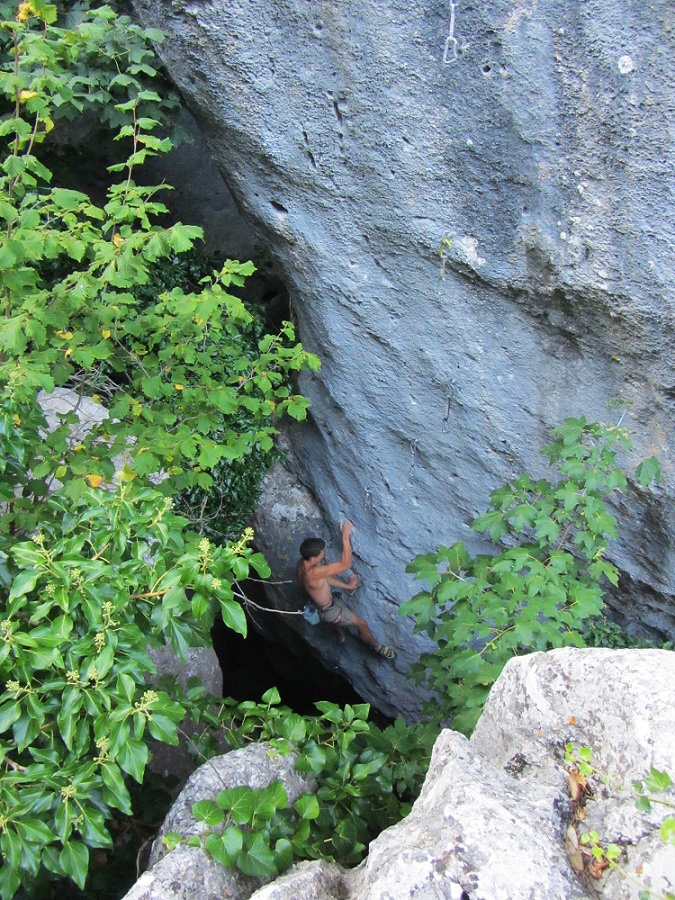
365, 634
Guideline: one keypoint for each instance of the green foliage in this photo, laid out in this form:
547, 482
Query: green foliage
108, 58
184, 389
218, 506
105, 575
599, 631
537, 592
367, 779
90, 576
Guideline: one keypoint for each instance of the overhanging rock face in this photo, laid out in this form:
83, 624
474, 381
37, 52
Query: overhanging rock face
476, 249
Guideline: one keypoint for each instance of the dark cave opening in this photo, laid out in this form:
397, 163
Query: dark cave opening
262, 660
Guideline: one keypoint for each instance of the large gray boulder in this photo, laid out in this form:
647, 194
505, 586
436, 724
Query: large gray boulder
473, 829
189, 873
476, 247
619, 703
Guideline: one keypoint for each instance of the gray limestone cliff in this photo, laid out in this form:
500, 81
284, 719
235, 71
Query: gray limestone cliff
476, 247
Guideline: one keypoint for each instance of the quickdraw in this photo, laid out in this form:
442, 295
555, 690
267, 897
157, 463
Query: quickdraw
450, 52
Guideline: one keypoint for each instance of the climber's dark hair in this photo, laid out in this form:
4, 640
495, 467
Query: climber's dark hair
311, 547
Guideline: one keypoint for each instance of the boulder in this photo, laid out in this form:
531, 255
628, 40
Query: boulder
476, 244
618, 703
492, 818
474, 829
202, 663
315, 880
188, 873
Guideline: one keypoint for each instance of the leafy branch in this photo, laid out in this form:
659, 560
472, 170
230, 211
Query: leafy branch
537, 592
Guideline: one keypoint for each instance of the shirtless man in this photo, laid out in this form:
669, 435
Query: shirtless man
317, 578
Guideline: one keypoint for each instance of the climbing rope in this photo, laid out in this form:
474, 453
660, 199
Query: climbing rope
247, 602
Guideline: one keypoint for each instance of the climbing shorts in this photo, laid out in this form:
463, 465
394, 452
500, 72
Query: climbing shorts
337, 613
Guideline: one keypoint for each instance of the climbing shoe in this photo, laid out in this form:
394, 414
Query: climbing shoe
385, 652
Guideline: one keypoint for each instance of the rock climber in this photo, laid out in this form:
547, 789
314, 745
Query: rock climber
317, 577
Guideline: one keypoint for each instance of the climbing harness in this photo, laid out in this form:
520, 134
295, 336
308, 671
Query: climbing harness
450, 52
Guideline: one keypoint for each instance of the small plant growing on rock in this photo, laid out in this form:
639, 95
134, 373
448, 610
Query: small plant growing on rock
591, 856
534, 594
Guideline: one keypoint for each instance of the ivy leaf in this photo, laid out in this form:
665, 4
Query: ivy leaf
239, 802
93, 829
258, 859
267, 801
271, 697
293, 728
132, 756
9, 715
657, 781
643, 805
11, 847
74, 860
283, 854
207, 811
259, 563
240, 568
163, 729
234, 616
10, 881
25, 730
307, 806
114, 789
225, 848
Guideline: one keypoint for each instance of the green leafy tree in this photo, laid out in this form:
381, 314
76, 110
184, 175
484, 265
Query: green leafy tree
535, 593
183, 391
95, 566
106, 575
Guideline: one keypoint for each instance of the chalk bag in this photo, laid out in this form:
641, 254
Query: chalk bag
311, 614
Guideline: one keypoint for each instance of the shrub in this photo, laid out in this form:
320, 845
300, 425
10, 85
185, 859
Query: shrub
537, 592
